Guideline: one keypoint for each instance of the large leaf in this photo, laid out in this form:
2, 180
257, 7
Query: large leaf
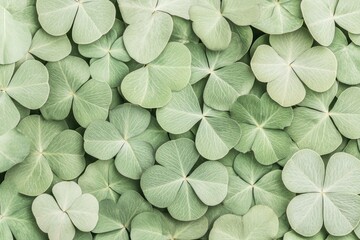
9, 114
151, 86
84, 212
16, 38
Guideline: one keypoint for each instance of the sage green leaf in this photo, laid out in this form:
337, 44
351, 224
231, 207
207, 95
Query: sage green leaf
29, 85
91, 102
178, 8
50, 48
346, 14
345, 113
84, 212
355, 38
186, 206
17, 220
130, 120
241, 13
65, 155
190, 230
199, 63
305, 214
9, 114
132, 11
227, 84
182, 31
181, 113
89, 20
146, 38
259, 223
210, 181
109, 183
65, 194
65, 78
320, 22
134, 158
340, 177
216, 136
340, 212
108, 69
16, 38
210, 26
347, 58
151, 86
14, 148
279, 17
102, 140
309, 170
118, 50
160, 186
148, 226
292, 235
320, 136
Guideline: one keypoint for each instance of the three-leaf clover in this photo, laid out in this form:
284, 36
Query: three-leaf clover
70, 88
28, 86
227, 79
103, 181
326, 197
184, 190
210, 24
320, 17
260, 223
115, 217
157, 226
291, 61
255, 184
58, 215
88, 19
108, 54
262, 122
151, 86
105, 140
217, 132
150, 25
16, 219
317, 127
54, 149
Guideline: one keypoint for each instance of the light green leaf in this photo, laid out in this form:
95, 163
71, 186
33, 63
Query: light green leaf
347, 12
29, 85
118, 50
304, 172
305, 214
178, 8
241, 12
209, 182
9, 114
14, 148
15, 40
50, 48
92, 102
346, 113
84, 212
102, 140
210, 26
133, 11
146, 38
65, 194
148, 226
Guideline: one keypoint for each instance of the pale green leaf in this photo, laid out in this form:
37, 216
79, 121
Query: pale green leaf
84, 212
9, 114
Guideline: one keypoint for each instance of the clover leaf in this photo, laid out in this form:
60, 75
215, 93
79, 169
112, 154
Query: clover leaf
54, 149
103, 181
291, 61
150, 26
28, 86
320, 17
158, 226
15, 37
108, 54
262, 122
14, 148
115, 217
317, 127
255, 184
227, 79
217, 133
210, 24
174, 184
89, 19
279, 16
326, 197
347, 56
70, 88
105, 140
58, 215
151, 86
16, 219
260, 223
